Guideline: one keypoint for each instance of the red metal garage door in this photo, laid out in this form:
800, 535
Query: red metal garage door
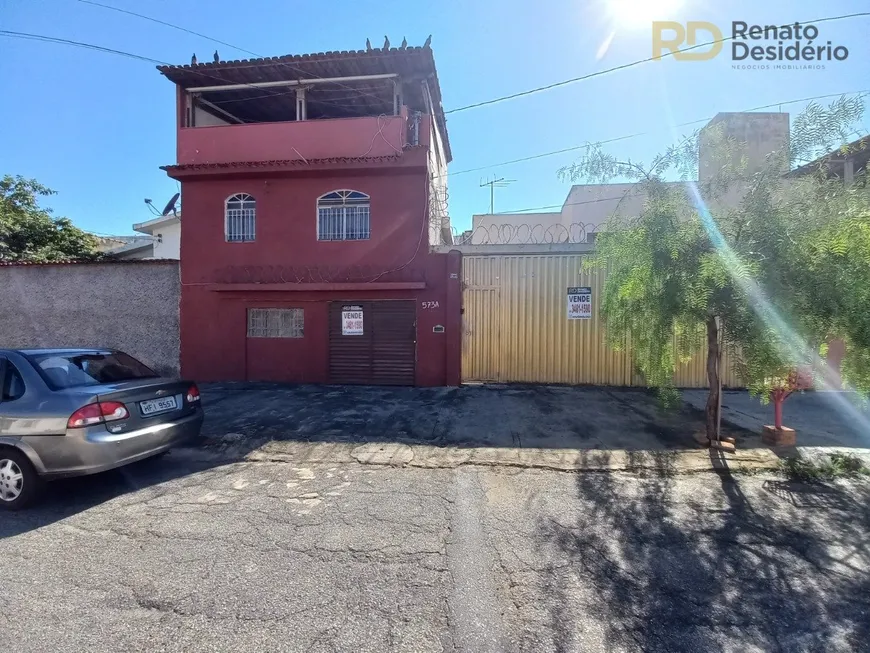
372, 342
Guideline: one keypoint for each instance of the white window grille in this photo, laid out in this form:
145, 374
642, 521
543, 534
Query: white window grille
241, 218
276, 322
343, 215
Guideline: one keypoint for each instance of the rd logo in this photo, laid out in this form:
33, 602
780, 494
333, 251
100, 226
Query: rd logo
687, 35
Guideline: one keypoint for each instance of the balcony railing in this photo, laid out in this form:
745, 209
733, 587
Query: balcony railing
371, 136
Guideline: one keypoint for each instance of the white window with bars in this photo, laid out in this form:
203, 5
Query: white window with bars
343, 215
276, 322
240, 218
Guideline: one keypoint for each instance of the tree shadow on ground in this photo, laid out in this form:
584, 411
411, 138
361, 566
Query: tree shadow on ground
786, 568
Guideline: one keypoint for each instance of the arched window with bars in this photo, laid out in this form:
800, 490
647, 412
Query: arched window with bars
343, 215
240, 218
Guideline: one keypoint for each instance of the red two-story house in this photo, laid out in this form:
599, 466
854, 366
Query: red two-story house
313, 187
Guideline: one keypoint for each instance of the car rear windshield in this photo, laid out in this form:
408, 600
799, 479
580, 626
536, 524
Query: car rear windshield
62, 370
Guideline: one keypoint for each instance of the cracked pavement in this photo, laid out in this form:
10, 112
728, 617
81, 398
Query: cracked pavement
177, 554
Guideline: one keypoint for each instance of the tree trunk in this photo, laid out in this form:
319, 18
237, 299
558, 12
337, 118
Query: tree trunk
714, 357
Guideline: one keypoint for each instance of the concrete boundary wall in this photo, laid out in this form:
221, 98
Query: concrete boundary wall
130, 305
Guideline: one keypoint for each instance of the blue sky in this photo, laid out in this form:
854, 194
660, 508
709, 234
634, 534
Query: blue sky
95, 127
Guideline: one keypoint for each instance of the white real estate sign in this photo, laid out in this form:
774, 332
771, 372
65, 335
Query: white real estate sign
351, 320
580, 303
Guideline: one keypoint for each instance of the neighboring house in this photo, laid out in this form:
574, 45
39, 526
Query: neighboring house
588, 206
162, 240
314, 187
847, 163
126, 248
165, 234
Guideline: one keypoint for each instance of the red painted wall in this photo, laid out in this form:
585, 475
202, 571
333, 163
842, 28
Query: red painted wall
287, 223
214, 343
309, 139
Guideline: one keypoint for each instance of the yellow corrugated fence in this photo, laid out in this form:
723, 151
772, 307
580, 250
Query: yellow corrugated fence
516, 329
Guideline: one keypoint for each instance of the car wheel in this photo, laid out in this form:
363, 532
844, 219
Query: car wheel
19, 482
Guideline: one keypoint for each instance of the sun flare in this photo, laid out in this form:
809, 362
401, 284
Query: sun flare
640, 13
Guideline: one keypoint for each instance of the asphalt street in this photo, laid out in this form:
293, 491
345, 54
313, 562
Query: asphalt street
178, 555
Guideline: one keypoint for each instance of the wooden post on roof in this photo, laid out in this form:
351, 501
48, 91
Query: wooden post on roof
397, 97
301, 104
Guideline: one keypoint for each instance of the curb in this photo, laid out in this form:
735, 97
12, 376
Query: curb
392, 454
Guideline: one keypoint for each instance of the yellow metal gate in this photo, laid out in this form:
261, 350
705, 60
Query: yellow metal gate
516, 329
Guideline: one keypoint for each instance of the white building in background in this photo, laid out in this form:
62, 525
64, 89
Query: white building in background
589, 206
161, 239
165, 232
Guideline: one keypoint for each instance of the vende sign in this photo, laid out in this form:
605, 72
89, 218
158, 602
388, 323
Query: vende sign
580, 303
351, 320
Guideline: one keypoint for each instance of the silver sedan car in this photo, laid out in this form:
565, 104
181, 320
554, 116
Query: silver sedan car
69, 412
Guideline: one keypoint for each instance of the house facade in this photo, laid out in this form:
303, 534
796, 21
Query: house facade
313, 191
161, 239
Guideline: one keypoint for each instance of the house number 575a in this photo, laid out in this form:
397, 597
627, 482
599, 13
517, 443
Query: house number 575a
429, 304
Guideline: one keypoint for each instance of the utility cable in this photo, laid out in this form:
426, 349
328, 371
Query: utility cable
861, 93
214, 40
178, 27
90, 46
599, 73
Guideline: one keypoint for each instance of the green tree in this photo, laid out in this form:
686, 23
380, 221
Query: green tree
771, 266
29, 232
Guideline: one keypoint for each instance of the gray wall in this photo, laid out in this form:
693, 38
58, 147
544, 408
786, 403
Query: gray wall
757, 135
131, 306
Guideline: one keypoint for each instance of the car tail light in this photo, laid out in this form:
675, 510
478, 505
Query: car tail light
102, 411
193, 394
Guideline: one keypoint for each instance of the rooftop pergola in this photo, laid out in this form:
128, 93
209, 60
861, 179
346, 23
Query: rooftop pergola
315, 86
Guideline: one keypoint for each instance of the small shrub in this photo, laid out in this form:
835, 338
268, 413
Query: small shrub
837, 465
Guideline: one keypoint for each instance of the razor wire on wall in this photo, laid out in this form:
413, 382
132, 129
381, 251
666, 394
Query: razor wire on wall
527, 234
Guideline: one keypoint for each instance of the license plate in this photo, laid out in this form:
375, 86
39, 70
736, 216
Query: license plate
153, 406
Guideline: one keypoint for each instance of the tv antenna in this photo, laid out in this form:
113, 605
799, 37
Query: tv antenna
494, 183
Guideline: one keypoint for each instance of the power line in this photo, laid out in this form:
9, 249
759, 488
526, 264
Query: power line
540, 156
214, 40
557, 206
861, 92
90, 46
598, 73
79, 44
162, 22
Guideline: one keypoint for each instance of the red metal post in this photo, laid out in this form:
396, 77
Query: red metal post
453, 345
777, 410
